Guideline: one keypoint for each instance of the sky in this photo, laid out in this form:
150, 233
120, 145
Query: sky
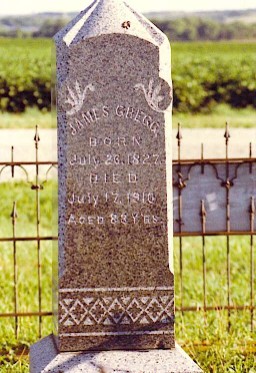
16, 7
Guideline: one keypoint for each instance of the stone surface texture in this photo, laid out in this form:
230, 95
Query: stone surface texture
115, 283
45, 359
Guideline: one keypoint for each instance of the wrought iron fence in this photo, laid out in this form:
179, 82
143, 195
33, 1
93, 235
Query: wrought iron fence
215, 197
208, 210
36, 185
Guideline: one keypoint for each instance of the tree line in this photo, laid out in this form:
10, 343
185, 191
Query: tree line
180, 29
199, 29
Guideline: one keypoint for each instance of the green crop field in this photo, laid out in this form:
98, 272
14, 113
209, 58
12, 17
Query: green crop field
25, 74
210, 73
204, 336
209, 78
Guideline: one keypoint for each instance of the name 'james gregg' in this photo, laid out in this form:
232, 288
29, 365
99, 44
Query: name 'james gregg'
93, 115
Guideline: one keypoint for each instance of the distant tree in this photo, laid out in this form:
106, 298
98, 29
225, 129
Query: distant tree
227, 32
15, 33
208, 30
50, 27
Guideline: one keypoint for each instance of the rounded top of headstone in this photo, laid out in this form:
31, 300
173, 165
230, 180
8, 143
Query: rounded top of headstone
109, 17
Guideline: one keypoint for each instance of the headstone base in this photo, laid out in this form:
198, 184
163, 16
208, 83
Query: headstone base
44, 358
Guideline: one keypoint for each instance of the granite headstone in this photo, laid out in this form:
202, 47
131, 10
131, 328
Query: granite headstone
115, 276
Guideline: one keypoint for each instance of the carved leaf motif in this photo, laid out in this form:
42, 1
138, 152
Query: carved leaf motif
152, 96
76, 98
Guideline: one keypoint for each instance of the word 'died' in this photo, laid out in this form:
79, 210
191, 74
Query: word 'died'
128, 113
116, 198
113, 178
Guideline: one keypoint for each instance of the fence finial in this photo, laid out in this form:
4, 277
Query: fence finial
179, 137
179, 134
12, 160
37, 137
227, 133
14, 214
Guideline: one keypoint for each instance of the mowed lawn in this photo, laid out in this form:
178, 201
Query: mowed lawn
203, 335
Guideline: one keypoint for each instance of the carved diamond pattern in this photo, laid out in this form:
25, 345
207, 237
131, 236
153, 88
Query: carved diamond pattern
98, 311
78, 312
154, 310
112, 310
135, 310
116, 311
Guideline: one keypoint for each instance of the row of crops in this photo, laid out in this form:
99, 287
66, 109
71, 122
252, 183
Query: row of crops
204, 74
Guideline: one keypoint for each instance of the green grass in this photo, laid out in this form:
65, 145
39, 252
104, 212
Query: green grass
29, 119
203, 336
224, 49
216, 350
238, 118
